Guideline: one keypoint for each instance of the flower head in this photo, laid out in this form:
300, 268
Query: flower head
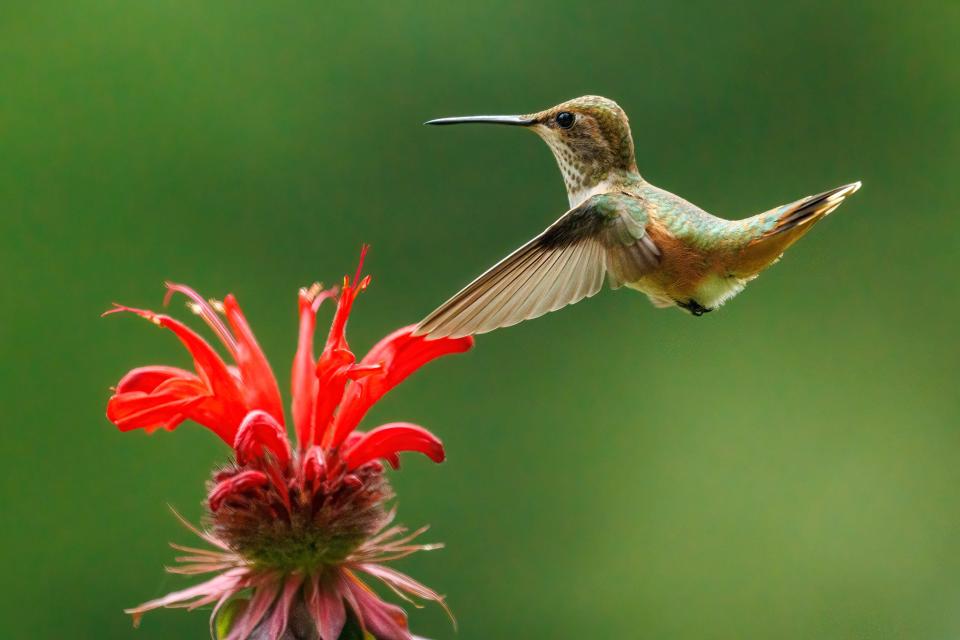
294, 526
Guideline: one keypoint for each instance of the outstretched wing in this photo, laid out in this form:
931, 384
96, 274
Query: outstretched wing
606, 235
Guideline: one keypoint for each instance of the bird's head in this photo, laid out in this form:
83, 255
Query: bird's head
589, 136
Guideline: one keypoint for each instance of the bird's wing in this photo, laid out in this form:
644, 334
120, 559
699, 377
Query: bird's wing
564, 264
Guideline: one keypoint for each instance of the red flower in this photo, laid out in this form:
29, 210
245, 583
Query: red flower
295, 527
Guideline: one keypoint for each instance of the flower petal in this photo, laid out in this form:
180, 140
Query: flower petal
147, 379
333, 366
243, 481
333, 373
224, 583
313, 468
138, 410
402, 583
326, 608
400, 354
259, 383
384, 621
277, 622
207, 313
264, 593
387, 440
213, 372
336, 339
206, 536
260, 433
164, 407
303, 379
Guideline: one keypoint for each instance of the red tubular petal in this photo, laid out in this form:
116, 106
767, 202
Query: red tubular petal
355, 437
137, 410
303, 378
332, 381
205, 310
244, 480
360, 371
390, 439
164, 405
313, 465
260, 385
212, 369
147, 379
400, 354
258, 433
337, 336
333, 373
332, 369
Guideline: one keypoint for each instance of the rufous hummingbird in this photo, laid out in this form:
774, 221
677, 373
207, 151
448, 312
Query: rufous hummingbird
622, 228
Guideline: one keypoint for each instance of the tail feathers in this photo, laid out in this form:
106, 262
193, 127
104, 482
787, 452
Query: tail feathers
809, 209
770, 234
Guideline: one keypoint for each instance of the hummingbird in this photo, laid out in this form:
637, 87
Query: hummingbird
620, 228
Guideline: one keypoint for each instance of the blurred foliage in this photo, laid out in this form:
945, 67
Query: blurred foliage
786, 467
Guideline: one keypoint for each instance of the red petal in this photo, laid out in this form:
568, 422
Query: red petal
212, 369
303, 379
244, 480
333, 366
333, 373
259, 383
390, 439
137, 410
258, 433
337, 337
400, 354
355, 436
207, 313
313, 465
146, 379
165, 405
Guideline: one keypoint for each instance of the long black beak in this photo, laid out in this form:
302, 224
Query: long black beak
516, 121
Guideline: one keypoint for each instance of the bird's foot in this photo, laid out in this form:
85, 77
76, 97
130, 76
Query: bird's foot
694, 307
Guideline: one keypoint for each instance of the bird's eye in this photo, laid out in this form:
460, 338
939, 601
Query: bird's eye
565, 119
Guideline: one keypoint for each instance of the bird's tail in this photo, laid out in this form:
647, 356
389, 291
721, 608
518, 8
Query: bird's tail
775, 230
809, 210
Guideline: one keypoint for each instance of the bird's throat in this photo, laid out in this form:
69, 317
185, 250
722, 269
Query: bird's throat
579, 191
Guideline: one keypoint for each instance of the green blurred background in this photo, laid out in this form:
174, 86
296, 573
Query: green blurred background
787, 467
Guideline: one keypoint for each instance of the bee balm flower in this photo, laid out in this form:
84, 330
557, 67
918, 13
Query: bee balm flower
295, 527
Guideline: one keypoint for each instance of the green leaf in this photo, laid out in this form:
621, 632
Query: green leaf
228, 614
